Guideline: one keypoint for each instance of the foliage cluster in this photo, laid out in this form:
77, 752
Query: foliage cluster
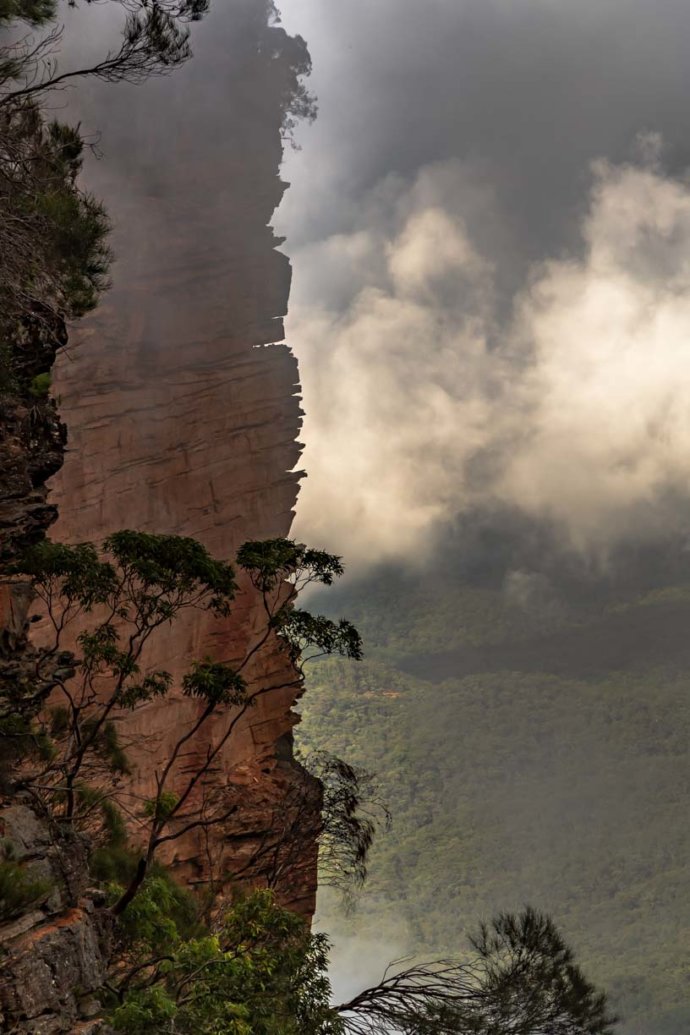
352, 813
298, 104
54, 255
20, 889
260, 972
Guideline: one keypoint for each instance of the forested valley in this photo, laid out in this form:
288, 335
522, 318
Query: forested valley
530, 752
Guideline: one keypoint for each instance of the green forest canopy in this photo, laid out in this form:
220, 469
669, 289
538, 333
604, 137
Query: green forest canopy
508, 784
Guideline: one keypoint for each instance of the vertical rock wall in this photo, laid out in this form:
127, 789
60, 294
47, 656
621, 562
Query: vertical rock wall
182, 418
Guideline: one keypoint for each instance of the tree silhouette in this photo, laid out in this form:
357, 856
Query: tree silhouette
523, 980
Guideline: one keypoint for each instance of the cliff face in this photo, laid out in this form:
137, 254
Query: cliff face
182, 421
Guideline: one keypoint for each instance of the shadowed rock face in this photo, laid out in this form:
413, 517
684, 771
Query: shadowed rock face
180, 419
55, 953
32, 438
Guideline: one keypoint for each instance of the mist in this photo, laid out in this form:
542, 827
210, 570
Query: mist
489, 232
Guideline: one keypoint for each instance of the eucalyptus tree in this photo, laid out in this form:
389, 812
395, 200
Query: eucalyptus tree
67, 713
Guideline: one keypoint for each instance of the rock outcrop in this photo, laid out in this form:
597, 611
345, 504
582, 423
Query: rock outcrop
32, 444
55, 951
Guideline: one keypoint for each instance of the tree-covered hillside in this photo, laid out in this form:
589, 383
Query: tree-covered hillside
542, 759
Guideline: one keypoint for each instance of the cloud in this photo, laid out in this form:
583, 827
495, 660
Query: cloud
360, 953
423, 403
431, 367
607, 440
391, 376
531, 91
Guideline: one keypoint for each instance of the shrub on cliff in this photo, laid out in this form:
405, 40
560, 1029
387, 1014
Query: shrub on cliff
260, 972
19, 889
53, 253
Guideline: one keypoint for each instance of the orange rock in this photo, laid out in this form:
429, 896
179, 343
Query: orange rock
183, 418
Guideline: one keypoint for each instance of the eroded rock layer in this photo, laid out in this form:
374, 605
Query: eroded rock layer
55, 952
182, 418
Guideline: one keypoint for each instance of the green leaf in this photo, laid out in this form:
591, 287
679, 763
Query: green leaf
214, 682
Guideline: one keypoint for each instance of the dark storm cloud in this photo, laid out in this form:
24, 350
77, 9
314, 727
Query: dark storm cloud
530, 91
490, 318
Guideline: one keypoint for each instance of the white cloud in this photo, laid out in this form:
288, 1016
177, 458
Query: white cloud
417, 409
609, 423
391, 379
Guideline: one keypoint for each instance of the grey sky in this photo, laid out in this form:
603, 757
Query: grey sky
445, 366
531, 89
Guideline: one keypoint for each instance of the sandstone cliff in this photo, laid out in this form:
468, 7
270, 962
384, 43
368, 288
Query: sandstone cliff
180, 419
